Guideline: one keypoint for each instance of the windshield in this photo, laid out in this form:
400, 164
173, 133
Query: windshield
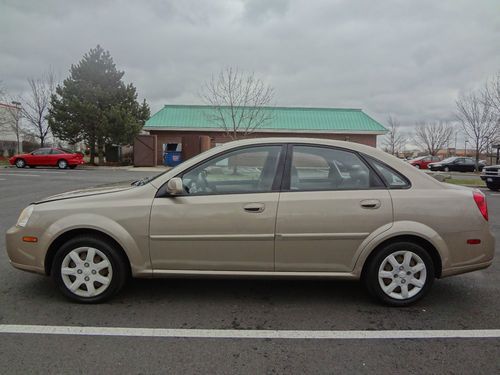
449, 160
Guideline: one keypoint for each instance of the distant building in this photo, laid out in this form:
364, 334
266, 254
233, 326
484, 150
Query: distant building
8, 139
173, 124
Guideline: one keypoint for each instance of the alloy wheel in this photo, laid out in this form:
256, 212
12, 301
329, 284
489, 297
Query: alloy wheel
86, 271
402, 275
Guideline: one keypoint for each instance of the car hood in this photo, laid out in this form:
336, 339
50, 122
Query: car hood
97, 190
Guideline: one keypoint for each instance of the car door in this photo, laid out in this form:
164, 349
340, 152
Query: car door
458, 165
54, 156
331, 201
425, 162
469, 165
39, 157
226, 218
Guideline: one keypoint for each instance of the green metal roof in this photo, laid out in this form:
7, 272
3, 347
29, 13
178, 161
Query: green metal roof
292, 119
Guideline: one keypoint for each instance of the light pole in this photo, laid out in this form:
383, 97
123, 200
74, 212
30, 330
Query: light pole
17, 117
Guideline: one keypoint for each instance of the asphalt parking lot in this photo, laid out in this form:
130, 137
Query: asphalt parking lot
467, 302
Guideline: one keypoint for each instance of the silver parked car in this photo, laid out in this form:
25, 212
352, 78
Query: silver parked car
273, 207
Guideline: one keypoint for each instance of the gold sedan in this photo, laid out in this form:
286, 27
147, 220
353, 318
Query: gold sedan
273, 207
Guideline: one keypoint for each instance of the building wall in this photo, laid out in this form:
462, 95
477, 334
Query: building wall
173, 136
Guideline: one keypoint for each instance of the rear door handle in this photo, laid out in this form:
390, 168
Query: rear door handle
370, 204
254, 207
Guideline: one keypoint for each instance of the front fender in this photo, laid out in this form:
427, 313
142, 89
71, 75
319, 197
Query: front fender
139, 261
401, 228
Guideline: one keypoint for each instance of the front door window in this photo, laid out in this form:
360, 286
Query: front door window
249, 170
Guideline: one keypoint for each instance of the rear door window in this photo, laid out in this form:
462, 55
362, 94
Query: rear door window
323, 168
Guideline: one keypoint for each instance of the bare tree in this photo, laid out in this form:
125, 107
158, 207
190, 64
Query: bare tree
478, 120
239, 102
394, 140
37, 104
432, 136
492, 100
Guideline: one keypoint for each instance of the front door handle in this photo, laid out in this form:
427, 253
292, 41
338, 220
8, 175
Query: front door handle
254, 207
370, 204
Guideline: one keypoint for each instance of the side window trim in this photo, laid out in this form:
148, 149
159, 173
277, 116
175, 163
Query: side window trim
286, 181
162, 191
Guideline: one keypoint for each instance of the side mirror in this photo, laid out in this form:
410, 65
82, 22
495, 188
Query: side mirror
174, 186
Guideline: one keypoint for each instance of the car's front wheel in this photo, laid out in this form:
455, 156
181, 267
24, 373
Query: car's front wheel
446, 169
399, 274
89, 269
20, 163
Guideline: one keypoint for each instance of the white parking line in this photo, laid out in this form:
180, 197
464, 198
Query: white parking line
20, 174
247, 334
34, 172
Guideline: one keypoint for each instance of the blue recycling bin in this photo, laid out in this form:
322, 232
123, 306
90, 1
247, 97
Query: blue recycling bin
172, 158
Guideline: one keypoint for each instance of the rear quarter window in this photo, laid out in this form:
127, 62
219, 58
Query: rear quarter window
392, 178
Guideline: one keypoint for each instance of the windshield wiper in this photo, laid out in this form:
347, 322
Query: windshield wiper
141, 182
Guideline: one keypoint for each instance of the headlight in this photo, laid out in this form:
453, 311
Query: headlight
25, 216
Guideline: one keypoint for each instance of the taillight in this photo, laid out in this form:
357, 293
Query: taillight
480, 200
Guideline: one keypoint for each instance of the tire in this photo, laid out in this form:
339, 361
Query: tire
417, 166
62, 164
446, 169
106, 280
493, 187
379, 266
20, 163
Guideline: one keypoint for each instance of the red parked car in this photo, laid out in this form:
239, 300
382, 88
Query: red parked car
422, 162
54, 157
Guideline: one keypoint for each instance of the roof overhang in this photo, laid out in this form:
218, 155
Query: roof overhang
298, 131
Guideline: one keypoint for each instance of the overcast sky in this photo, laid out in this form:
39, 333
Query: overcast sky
408, 58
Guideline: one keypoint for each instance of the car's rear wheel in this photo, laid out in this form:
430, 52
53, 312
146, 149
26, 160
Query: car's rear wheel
399, 274
417, 166
89, 269
62, 164
20, 163
446, 169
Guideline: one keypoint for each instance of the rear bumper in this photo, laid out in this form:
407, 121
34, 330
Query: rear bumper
76, 162
468, 258
464, 269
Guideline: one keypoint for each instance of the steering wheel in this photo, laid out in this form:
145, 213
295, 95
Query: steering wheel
208, 186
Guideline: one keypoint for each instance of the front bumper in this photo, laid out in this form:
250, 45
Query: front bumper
23, 255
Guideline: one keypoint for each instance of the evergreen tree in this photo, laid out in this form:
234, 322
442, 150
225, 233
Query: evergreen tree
94, 105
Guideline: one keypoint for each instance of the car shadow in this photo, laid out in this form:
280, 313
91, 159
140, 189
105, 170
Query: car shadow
246, 304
